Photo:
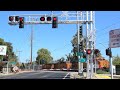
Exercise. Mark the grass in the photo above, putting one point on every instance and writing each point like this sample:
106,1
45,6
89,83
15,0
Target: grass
102,72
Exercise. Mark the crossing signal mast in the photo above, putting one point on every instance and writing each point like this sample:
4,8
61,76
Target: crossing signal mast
15,20
80,18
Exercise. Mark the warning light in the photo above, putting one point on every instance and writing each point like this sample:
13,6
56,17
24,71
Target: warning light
48,18
42,19
11,18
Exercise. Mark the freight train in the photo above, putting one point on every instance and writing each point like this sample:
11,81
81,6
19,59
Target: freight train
68,65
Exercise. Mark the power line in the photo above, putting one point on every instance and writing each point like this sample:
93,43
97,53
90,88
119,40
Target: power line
109,26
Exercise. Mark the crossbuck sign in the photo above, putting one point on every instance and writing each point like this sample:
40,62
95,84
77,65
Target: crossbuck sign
114,38
3,50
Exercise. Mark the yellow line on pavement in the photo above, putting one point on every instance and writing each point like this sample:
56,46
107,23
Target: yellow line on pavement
102,76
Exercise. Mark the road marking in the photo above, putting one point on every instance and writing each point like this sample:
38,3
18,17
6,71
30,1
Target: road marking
66,75
19,76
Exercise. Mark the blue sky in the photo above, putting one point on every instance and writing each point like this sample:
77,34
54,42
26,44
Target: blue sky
57,41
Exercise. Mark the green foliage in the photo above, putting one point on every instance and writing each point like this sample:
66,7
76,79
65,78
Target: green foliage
44,56
101,72
116,60
74,41
61,60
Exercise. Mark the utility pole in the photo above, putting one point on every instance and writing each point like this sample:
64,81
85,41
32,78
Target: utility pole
31,44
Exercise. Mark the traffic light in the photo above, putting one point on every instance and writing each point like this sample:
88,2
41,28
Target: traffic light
49,18
11,18
81,46
16,18
108,52
80,32
42,18
54,22
89,51
21,22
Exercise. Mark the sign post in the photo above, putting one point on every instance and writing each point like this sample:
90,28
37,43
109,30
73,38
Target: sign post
114,42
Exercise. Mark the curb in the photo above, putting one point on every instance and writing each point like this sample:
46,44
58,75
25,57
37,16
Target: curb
99,76
74,75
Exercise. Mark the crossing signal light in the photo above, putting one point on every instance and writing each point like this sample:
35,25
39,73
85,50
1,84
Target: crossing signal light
89,51
11,18
81,45
21,22
16,18
96,52
48,18
80,32
108,52
75,49
42,18
54,22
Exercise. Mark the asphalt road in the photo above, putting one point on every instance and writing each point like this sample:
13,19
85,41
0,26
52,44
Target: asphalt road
39,75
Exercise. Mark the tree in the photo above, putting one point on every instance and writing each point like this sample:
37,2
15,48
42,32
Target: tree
61,60
116,60
43,56
74,41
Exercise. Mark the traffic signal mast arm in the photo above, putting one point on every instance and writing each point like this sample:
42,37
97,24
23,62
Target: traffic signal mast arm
62,18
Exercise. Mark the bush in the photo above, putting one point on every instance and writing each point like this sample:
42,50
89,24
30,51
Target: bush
101,72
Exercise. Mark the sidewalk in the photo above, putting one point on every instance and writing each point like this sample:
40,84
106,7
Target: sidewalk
12,73
74,75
